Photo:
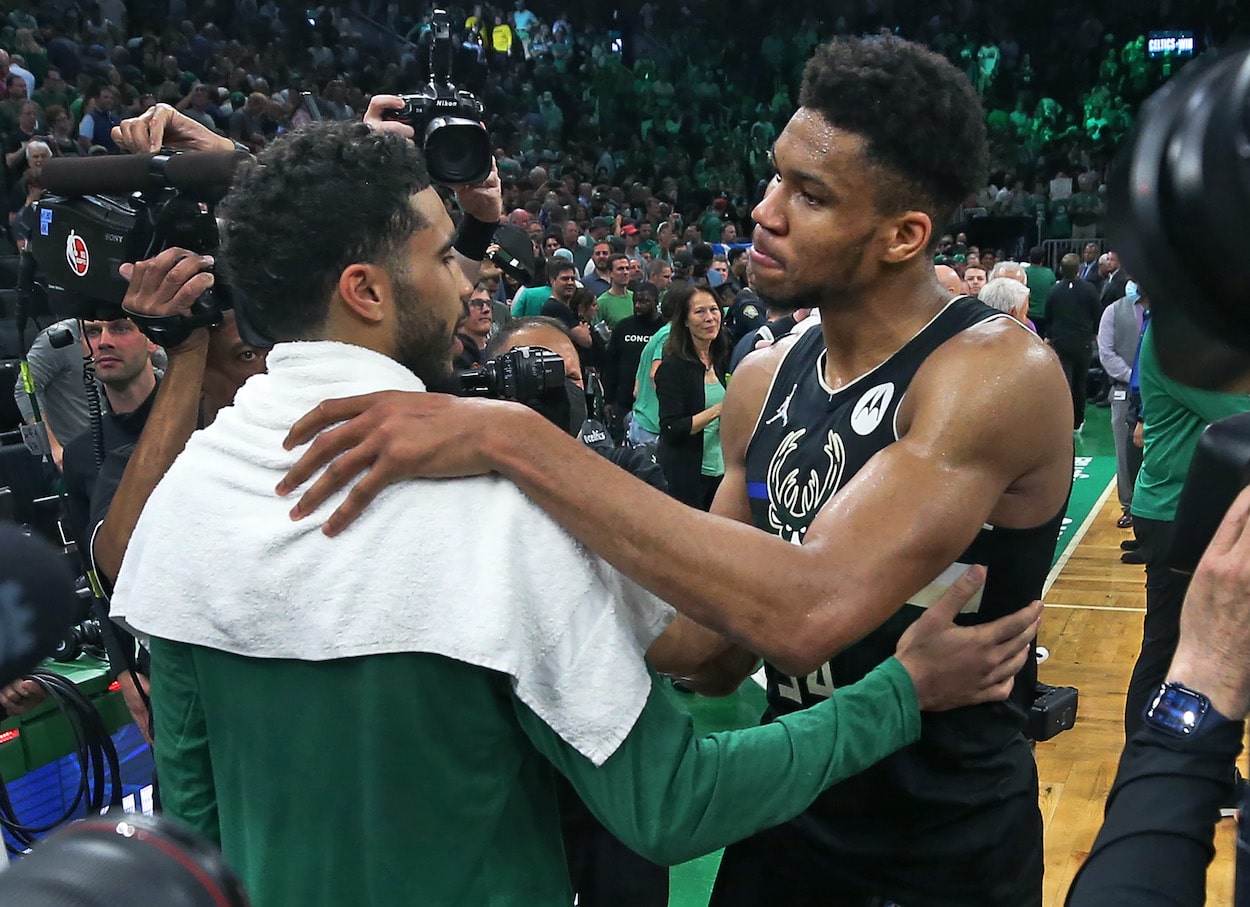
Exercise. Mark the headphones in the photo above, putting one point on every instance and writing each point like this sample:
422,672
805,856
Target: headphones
86,637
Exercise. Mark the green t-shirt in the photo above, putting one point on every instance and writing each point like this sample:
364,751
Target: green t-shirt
614,309
1084,209
530,301
1060,223
713,456
646,403
1040,279
449,777
1174,417
711,225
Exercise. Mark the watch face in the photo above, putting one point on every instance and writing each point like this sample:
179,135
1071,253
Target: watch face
1177,710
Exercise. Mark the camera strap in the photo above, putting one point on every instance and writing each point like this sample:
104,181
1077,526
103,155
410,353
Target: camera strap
173,330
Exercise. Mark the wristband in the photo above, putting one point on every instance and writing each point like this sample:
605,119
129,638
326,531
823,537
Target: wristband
473,237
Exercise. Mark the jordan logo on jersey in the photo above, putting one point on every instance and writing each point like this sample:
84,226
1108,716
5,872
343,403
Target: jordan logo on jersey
794,499
783,411
871,409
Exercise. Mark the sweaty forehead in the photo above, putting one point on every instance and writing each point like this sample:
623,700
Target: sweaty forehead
811,143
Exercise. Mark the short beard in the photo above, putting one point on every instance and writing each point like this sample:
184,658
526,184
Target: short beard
422,342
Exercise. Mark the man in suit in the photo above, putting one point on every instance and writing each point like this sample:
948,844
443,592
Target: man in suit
1115,285
1073,309
1119,333
1089,262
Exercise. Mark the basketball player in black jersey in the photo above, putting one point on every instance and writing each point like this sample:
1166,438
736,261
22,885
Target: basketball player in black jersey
906,437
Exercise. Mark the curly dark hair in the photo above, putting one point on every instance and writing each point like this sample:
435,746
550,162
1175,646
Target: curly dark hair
313,203
920,116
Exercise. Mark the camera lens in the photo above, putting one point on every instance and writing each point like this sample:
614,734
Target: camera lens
133,859
457,152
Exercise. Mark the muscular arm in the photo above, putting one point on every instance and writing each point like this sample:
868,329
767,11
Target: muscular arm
965,459
797,605
708,662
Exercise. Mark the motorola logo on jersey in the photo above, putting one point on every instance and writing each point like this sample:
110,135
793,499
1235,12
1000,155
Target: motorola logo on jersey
871,409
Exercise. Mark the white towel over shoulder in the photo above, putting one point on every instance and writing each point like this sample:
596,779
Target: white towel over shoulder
469,568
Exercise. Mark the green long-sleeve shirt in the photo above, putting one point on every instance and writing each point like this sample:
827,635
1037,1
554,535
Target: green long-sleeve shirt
412,778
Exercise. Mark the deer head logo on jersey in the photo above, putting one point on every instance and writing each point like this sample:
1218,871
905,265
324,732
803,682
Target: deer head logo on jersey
794,499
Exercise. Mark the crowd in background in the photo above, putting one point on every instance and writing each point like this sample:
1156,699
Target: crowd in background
642,112
632,140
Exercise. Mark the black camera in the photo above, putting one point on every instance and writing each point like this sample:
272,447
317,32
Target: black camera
1176,199
525,373
446,120
100,213
107,861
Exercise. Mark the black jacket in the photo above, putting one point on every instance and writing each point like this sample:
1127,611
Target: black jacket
1157,838
1113,288
1072,312
679,387
624,352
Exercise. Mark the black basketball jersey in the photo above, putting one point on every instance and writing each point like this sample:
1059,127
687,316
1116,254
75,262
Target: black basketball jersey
924,810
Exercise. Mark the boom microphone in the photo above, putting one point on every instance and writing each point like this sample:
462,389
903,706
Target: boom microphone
38,603
126,173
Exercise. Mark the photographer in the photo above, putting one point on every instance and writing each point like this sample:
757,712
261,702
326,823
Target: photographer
204,372
1177,769
603,870
56,372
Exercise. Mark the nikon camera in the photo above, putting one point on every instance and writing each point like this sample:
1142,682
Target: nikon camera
446,120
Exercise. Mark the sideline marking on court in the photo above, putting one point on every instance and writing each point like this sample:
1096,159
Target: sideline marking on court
1076,539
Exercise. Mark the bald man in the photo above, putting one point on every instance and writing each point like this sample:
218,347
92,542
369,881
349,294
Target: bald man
950,280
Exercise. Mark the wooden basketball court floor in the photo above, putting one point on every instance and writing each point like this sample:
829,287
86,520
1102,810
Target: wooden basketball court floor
1092,628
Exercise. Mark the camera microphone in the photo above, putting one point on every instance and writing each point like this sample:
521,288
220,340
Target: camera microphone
123,174
38,603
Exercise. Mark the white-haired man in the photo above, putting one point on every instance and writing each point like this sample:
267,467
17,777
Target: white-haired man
1012,270
1010,296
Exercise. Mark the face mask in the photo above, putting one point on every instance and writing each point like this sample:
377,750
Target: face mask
577,407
